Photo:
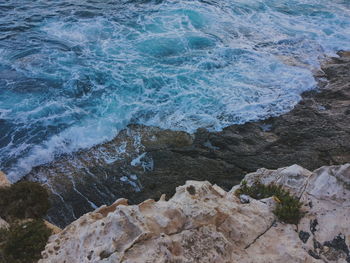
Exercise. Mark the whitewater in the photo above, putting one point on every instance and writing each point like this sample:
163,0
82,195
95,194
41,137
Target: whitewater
74,73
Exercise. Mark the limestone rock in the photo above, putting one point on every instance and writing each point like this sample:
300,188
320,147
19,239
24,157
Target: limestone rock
325,229
52,227
294,178
3,224
204,223
3,180
328,220
279,244
196,223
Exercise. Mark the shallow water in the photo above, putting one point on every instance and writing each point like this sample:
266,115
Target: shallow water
74,73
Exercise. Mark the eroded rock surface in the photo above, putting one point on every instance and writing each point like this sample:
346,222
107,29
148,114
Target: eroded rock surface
144,162
325,229
204,223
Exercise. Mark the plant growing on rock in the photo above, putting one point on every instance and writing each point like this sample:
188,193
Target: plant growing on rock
288,207
23,200
23,205
23,242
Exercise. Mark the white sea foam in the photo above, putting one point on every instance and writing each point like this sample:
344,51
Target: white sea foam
176,64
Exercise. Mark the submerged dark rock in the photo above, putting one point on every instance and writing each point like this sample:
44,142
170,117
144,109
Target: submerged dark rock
143,162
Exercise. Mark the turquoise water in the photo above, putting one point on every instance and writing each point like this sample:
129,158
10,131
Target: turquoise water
74,73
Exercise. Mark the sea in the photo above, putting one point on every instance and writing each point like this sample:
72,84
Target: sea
73,73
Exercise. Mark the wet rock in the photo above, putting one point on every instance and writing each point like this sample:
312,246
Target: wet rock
145,162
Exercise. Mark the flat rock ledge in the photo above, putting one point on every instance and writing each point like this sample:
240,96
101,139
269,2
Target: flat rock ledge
204,223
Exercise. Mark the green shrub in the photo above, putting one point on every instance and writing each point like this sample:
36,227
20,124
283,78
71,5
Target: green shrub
288,206
23,200
24,242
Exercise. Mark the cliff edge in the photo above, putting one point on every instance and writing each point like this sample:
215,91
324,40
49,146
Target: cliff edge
204,223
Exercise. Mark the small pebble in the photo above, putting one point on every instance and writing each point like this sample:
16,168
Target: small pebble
244,199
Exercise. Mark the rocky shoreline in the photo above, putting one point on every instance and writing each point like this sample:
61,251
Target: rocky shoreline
145,162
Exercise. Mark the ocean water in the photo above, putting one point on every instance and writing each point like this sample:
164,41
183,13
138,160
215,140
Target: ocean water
73,73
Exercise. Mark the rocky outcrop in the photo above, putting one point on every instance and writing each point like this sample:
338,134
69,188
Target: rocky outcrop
204,223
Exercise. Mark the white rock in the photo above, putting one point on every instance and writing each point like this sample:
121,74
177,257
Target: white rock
203,223
4,182
3,224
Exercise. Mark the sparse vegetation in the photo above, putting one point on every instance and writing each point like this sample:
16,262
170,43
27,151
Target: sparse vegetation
23,242
288,206
23,200
23,205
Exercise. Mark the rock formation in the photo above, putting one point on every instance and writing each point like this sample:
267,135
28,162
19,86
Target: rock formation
204,223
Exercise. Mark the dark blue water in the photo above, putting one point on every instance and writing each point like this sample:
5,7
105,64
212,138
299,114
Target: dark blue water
74,73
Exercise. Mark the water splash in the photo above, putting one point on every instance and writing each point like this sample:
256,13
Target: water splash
74,74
